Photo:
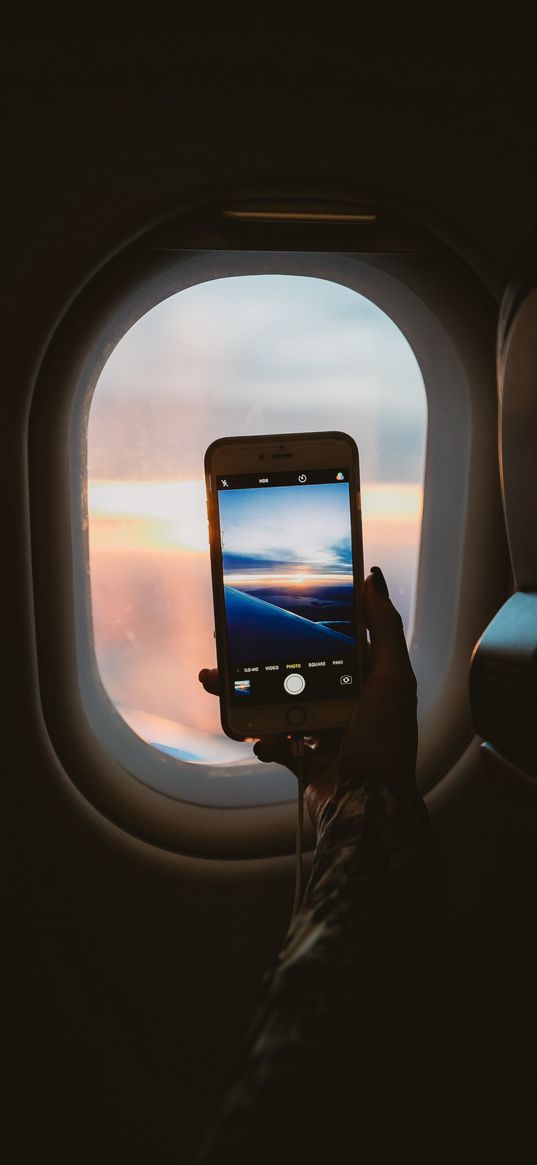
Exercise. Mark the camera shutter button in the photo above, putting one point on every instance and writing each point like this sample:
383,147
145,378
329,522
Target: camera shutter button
294,683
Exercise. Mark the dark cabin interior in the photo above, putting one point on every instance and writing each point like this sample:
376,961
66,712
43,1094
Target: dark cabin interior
132,966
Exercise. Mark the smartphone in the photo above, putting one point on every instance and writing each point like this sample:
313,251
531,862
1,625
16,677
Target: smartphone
287,570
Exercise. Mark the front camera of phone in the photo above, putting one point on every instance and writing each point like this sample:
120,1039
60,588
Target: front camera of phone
261,456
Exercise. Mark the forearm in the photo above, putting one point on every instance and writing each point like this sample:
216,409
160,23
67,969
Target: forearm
338,1046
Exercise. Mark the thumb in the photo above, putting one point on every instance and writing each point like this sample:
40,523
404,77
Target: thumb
388,653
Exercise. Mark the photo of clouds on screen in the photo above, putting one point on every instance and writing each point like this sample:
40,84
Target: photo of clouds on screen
288,581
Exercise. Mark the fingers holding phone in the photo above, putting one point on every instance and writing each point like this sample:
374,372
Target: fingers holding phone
381,739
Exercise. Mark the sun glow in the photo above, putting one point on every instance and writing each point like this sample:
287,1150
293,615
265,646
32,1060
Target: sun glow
256,578
148,515
171,515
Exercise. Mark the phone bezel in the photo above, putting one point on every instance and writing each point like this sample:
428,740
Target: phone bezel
236,455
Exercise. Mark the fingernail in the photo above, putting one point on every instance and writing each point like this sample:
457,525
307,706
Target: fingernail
379,582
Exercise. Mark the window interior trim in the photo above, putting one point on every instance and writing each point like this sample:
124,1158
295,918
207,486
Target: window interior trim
450,324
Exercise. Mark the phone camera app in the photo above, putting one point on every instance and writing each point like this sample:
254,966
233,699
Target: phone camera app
345,679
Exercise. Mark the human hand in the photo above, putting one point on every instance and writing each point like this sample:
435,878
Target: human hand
380,742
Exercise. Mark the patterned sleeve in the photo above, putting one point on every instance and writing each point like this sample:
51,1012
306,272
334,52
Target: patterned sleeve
337,1053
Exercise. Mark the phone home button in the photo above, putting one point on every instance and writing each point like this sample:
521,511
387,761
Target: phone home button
296,716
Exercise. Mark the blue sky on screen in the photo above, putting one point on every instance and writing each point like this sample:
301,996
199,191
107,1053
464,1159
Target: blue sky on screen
287,527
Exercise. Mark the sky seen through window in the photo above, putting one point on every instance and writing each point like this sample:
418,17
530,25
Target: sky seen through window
235,356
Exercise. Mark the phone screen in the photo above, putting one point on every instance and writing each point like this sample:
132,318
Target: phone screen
289,586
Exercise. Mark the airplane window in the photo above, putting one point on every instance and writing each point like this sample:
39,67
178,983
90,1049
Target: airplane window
239,355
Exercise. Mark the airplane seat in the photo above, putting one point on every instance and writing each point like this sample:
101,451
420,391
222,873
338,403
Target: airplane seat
503,676
480,1098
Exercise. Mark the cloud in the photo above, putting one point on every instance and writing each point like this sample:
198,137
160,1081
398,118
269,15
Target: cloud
254,354
287,525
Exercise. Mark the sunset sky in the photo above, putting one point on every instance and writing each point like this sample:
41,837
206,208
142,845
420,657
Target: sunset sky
171,515
249,355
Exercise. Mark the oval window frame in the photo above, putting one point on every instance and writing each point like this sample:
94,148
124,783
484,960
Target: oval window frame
449,320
